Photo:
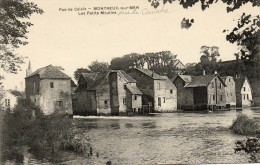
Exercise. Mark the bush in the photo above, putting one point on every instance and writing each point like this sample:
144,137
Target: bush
45,135
244,125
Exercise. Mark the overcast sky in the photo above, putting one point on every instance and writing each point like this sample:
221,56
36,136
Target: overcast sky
73,41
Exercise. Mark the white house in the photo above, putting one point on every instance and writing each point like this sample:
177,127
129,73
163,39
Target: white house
243,92
9,100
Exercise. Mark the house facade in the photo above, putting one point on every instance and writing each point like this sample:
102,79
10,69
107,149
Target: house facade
243,92
230,91
110,93
200,92
159,94
9,100
184,99
50,89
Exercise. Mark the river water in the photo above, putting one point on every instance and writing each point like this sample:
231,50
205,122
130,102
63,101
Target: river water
169,138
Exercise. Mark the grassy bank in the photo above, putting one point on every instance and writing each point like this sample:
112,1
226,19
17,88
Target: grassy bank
243,125
44,135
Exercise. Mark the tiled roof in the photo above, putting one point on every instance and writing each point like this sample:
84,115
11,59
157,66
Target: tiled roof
49,72
150,74
133,89
202,81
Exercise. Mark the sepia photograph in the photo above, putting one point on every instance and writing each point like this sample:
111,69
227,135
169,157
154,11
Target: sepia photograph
138,82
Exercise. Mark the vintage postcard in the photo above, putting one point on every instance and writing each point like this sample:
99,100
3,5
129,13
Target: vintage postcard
129,81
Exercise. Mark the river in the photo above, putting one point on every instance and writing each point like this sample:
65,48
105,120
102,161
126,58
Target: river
169,138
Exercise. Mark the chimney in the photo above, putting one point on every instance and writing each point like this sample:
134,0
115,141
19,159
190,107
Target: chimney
203,72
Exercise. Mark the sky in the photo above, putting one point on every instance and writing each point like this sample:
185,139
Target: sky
73,40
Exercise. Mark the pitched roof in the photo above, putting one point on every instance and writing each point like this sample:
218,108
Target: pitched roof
186,78
133,89
169,83
202,81
49,72
239,83
89,77
98,80
167,79
126,76
150,73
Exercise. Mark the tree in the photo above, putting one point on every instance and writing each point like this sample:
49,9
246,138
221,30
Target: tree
160,62
78,72
211,53
99,67
13,32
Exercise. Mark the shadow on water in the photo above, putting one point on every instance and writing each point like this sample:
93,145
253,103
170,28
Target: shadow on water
129,125
115,125
149,125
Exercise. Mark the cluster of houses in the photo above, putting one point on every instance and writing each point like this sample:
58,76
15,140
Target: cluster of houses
139,91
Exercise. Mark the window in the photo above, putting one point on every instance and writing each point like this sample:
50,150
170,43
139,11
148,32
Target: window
213,97
220,85
244,88
59,103
106,104
124,101
244,97
159,86
159,101
170,91
221,98
229,79
163,99
51,84
230,94
135,97
7,102
247,97
212,84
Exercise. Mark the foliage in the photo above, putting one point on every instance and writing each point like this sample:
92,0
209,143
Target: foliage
186,23
78,72
160,62
99,67
45,135
247,36
13,31
208,61
231,4
244,125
